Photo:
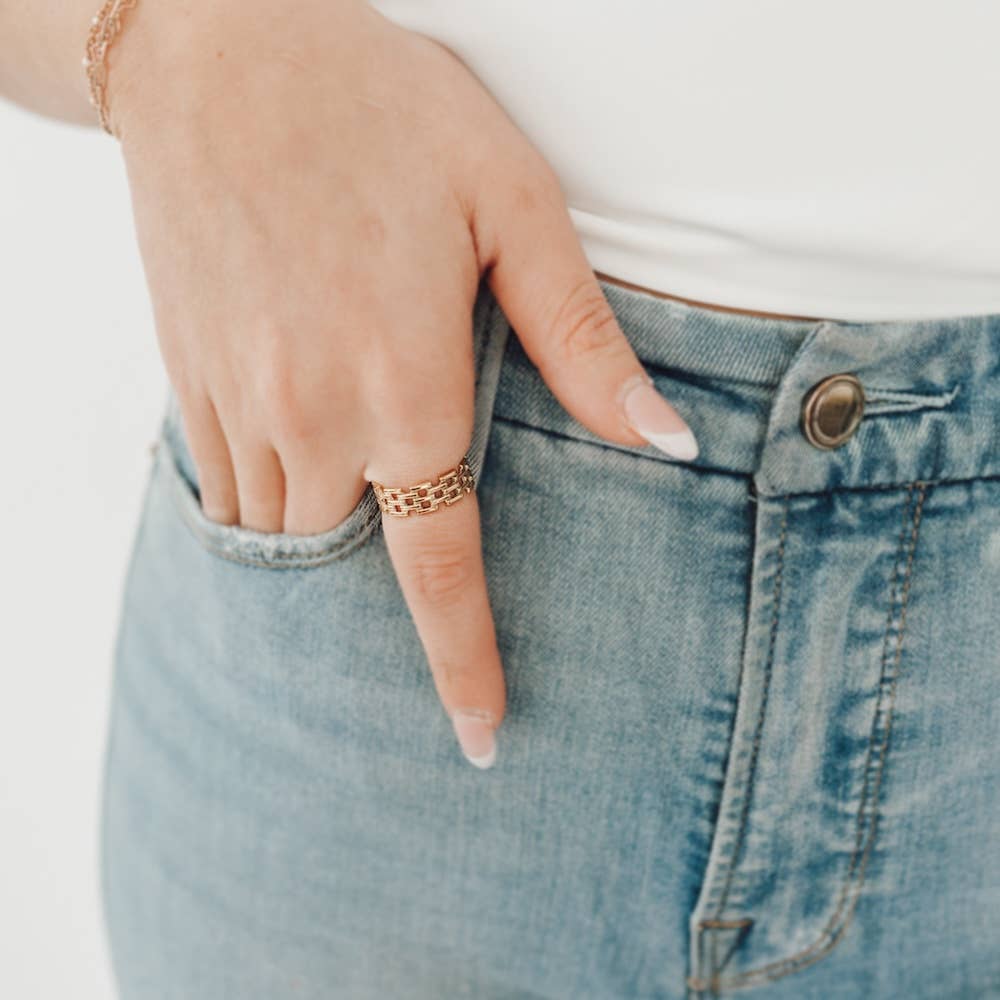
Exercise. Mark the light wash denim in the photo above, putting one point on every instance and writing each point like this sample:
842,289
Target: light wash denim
754,703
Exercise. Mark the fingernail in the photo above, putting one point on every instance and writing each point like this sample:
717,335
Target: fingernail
475,731
649,414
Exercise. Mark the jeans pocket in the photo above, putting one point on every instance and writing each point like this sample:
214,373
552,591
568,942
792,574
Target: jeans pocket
278,550
272,550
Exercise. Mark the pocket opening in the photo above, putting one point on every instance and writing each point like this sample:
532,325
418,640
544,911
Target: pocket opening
266,550
278,550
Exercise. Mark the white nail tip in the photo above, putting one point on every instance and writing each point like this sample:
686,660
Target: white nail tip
681,445
475,731
485,761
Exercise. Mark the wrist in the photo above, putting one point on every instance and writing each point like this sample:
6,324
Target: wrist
139,62
170,60
40,66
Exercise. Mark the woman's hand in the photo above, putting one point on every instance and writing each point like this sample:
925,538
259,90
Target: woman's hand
317,193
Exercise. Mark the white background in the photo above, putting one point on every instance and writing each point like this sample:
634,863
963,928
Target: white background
81,389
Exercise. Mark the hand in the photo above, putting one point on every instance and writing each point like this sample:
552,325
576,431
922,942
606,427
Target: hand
316,197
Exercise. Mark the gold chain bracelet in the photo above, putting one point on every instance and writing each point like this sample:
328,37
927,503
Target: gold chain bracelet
104,28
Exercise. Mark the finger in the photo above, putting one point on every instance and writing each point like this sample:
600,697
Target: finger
216,479
438,560
321,488
437,556
260,484
318,431
549,292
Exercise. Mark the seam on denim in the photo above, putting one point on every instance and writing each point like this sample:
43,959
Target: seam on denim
623,450
734,855
944,482
111,734
699,985
181,497
831,934
487,332
290,563
492,325
717,470
885,401
761,713
694,377
883,665
717,964
713,957
726,924
692,982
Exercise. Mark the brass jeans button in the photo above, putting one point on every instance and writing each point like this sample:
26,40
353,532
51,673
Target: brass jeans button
832,410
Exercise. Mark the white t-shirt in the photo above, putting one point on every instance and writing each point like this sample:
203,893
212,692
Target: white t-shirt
836,160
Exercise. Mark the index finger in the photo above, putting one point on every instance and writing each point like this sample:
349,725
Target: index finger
438,560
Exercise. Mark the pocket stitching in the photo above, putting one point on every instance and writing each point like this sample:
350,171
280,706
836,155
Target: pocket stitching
208,532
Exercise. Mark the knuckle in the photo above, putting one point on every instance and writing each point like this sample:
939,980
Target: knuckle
534,189
455,671
291,414
409,441
585,324
403,418
192,393
215,487
407,427
441,575
262,496
549,182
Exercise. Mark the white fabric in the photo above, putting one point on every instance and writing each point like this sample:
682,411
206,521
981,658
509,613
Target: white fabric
837,160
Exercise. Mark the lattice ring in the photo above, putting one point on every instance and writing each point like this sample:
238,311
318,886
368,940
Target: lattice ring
423,498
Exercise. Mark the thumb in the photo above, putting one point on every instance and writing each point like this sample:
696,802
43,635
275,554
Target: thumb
549,292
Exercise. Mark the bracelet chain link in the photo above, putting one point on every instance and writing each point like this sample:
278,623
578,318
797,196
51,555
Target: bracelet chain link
104,28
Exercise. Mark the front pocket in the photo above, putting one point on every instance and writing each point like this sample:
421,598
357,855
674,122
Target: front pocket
272,550
277,550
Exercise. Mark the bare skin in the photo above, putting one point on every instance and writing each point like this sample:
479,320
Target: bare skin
316,199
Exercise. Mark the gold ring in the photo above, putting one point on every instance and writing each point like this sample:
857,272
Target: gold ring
423,498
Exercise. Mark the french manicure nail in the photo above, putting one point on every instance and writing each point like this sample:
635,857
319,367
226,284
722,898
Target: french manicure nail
650,415
475,731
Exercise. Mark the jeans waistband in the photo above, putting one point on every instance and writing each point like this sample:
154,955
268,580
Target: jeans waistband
931,392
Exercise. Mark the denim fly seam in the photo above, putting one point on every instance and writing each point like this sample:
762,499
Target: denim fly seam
940,383
716,938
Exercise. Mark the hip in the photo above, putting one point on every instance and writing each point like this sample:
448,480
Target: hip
751,726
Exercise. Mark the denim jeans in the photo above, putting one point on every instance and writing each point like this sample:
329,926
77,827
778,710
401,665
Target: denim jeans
753,719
